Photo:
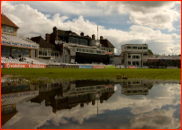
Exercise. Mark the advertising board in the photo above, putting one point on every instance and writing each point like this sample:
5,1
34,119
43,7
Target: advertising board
120,66
36,66
109,86
109,66
132,67
145,67
54,66
98,66
71,66
85,66
109,53
172,67
14,65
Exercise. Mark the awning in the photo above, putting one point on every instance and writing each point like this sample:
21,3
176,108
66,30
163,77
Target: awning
15,41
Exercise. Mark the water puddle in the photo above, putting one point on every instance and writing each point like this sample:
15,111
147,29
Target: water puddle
90,104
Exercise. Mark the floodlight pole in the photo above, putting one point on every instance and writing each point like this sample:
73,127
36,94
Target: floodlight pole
97,32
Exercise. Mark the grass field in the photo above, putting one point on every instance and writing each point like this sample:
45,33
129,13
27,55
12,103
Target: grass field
67,73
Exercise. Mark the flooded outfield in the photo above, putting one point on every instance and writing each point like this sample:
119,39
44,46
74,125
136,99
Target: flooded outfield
62,104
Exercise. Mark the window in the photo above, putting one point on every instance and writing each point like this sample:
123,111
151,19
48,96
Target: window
5,52
44,53
98,87
91,51
144,47
8,29
78,49
17,52
56,54
139,47
98,51
83,50
90,88
86,50
134,91
137,57
134,47
74,40
83,42
128,47
40,52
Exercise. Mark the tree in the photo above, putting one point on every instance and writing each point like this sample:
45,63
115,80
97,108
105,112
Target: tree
150,52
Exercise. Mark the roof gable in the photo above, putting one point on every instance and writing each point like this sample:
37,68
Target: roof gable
65,33
6,21
106,43
44,44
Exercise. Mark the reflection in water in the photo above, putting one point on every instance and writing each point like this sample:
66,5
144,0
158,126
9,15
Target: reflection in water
137,87
66,95
13,93
127,103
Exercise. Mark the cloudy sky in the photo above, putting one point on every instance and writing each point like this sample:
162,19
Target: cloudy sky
156,23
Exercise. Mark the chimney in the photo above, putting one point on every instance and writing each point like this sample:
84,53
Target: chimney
93,37
82,34
93,102
54,30
101,37
47,37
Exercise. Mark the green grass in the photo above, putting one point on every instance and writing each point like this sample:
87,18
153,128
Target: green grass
67,73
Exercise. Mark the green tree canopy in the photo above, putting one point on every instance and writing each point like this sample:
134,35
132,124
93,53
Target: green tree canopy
150,52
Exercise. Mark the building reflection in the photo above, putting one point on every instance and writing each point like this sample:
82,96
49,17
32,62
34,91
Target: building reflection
64,94
69,94
12,93
136,87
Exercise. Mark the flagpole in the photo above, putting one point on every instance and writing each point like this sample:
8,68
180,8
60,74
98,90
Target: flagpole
97,32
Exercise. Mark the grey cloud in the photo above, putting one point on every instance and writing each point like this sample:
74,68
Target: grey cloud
162,119
161,18
33,23
144,6
139,6
155,14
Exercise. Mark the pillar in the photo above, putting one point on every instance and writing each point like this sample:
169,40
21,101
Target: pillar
141,60
37,53
126,59
47,52
30,52
10,52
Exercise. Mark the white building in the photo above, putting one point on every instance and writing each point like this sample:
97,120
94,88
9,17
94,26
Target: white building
133,54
